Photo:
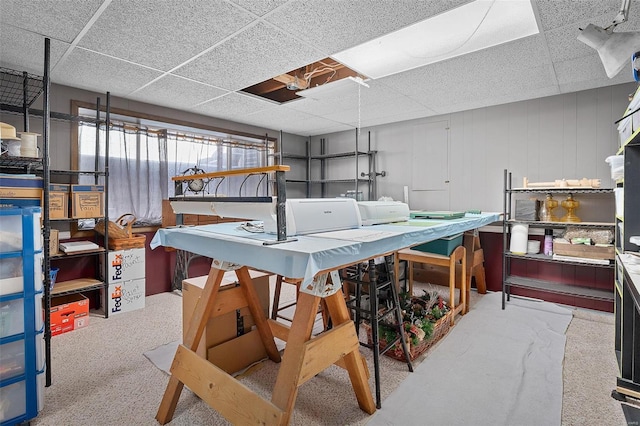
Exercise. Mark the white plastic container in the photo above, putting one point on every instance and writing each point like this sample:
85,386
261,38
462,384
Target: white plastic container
13,401
12,359
11,317
519,238
10,233
11,275
619,195
39,322
617,166
533,247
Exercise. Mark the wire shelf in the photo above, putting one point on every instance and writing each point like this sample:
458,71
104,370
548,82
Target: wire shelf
12,87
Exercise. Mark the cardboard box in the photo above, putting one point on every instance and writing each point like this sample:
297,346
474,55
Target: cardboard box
583,250
87,201
58,201
13,192
246,350
124,265
222,328
68,313
54,241
125,296
21,181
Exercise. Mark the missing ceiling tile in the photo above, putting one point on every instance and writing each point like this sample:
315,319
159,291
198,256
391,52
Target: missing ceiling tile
284,87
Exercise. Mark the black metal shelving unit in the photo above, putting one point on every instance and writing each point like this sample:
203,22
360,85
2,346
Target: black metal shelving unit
18,92
627,278
360,178
510,280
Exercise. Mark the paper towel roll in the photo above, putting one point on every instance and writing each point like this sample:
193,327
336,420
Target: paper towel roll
519,238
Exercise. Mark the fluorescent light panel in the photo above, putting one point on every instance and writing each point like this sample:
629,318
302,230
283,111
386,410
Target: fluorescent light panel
468,28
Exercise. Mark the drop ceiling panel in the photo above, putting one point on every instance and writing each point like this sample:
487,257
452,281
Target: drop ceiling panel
257,54
288,120
163,92
379,111
90,71
558,13
60,20
585,68
336,25
162,37
24,51
246,49
232,106
259,7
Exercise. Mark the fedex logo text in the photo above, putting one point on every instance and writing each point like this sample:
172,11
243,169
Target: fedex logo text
117,267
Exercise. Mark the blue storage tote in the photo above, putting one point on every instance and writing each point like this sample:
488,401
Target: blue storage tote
444,246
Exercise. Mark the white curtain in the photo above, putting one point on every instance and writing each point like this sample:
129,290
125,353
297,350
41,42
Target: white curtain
137,170
142,163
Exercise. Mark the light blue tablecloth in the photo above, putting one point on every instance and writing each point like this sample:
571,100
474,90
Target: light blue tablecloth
309,254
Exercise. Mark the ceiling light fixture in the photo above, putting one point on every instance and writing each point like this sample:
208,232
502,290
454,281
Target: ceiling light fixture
614,49
474,26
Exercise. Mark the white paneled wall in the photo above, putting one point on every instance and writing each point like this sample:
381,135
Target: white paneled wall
565,136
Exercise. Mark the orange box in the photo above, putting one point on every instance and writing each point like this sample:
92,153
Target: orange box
68,313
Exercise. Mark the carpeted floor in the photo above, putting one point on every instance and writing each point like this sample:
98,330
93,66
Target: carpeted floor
101,377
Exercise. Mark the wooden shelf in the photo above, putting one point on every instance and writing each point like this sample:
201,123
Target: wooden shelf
76,286
77,254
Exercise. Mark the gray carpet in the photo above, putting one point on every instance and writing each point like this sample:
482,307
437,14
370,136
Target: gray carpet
101,377
495,368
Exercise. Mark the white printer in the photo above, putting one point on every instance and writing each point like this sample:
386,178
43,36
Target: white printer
377,212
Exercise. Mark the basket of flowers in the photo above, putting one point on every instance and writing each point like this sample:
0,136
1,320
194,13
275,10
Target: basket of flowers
426,319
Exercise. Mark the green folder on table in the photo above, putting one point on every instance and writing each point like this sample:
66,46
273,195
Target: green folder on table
442,214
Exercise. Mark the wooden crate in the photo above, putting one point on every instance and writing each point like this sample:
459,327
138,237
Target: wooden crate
583,250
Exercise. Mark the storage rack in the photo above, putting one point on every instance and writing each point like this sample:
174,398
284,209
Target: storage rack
626,283
18,92
509,280
360,178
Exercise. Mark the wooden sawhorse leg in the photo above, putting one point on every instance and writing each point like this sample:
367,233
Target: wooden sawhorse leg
304,357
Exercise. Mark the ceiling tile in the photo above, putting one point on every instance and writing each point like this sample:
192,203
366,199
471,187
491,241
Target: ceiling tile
60,20
585,68
162,37
90,71
558,13
233,106
281,118
24,51
257,54
335,25
176,92
259,7
563,41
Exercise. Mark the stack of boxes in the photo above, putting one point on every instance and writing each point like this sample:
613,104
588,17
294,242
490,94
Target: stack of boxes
126,278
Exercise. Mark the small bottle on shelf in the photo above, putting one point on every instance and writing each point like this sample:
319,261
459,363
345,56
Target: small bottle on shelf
548,242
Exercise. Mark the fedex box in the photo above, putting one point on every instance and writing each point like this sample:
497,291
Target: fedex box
124,265
124,296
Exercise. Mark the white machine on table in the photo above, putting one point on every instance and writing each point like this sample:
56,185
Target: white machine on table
303,215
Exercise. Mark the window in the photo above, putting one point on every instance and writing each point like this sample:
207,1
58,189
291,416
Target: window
144,155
